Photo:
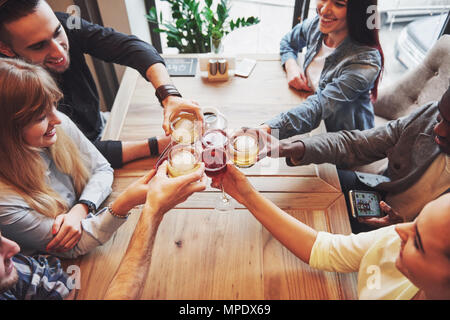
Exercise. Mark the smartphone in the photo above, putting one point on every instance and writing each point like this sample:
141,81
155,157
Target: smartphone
245,67
365,204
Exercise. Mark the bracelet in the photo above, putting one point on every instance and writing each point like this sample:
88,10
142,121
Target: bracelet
153,146
114,214
162,92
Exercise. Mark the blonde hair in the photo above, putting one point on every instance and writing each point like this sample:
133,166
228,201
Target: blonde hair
26,93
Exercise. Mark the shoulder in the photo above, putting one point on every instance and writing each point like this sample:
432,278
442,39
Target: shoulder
62,17
356,53
427,111
67,124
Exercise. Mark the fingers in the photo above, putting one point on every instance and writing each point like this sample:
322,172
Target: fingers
162,169
304,83
393,216
192,177
166,123
194,187
216,183
57,224
148,176
386,208
295,83
57,239
198,112
72,237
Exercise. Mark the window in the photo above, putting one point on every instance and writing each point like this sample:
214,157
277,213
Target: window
409,28
276,21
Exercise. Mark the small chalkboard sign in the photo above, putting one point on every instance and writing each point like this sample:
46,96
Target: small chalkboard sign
181,67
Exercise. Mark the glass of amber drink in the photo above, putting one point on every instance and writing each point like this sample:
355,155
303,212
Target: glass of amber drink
244,149
182,160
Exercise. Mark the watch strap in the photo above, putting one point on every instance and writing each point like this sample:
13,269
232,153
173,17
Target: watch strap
92,208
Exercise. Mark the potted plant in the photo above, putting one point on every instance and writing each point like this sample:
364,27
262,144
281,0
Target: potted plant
196,27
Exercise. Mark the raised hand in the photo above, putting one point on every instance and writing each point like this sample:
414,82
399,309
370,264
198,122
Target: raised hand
176,105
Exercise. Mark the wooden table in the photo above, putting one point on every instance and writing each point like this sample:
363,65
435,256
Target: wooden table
199,253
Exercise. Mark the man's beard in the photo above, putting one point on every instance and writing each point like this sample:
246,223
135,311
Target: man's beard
8,283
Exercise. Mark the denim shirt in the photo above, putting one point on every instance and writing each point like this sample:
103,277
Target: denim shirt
343,96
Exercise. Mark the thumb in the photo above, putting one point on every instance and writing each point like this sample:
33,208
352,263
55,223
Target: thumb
166,126
386,208
162,170
57,224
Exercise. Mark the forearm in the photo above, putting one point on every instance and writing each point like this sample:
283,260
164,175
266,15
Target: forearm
132,150
157,74
128,281
298,120
291,64
293,234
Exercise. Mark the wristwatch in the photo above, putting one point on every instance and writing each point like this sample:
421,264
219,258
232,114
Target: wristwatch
92,208
162,92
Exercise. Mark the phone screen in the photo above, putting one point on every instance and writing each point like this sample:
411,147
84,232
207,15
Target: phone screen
366,204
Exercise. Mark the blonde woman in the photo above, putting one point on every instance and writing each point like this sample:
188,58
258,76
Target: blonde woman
413,258
52,179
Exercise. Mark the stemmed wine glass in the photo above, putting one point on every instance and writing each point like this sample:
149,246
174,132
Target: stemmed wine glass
215,157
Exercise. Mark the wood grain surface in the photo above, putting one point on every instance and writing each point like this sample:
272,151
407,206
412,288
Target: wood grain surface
202,254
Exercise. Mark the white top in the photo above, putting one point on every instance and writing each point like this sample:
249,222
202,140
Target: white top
33,230
315,68
373,255
433,183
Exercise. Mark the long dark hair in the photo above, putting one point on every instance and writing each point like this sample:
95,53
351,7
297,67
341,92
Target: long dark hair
360,31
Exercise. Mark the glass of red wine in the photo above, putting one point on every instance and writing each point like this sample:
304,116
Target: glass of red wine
215,157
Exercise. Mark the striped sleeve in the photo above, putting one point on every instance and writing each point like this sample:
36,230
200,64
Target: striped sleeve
39,278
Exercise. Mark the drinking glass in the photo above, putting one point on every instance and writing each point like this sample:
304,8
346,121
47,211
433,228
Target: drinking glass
213,119
244,149
215,157
186,130
182,160
185,127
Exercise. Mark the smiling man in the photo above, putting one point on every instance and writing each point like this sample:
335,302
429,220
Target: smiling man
32,278
417,148
31,31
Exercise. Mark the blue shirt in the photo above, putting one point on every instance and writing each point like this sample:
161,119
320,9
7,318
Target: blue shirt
343,96
39,278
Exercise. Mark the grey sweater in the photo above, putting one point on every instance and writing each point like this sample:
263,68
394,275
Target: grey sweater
408,143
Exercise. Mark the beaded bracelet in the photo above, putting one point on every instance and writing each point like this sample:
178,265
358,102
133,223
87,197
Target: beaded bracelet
114,214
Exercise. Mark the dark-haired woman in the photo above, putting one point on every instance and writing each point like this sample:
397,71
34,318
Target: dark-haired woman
342,66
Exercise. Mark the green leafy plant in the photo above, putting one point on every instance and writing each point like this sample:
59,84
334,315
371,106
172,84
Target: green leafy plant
196,24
